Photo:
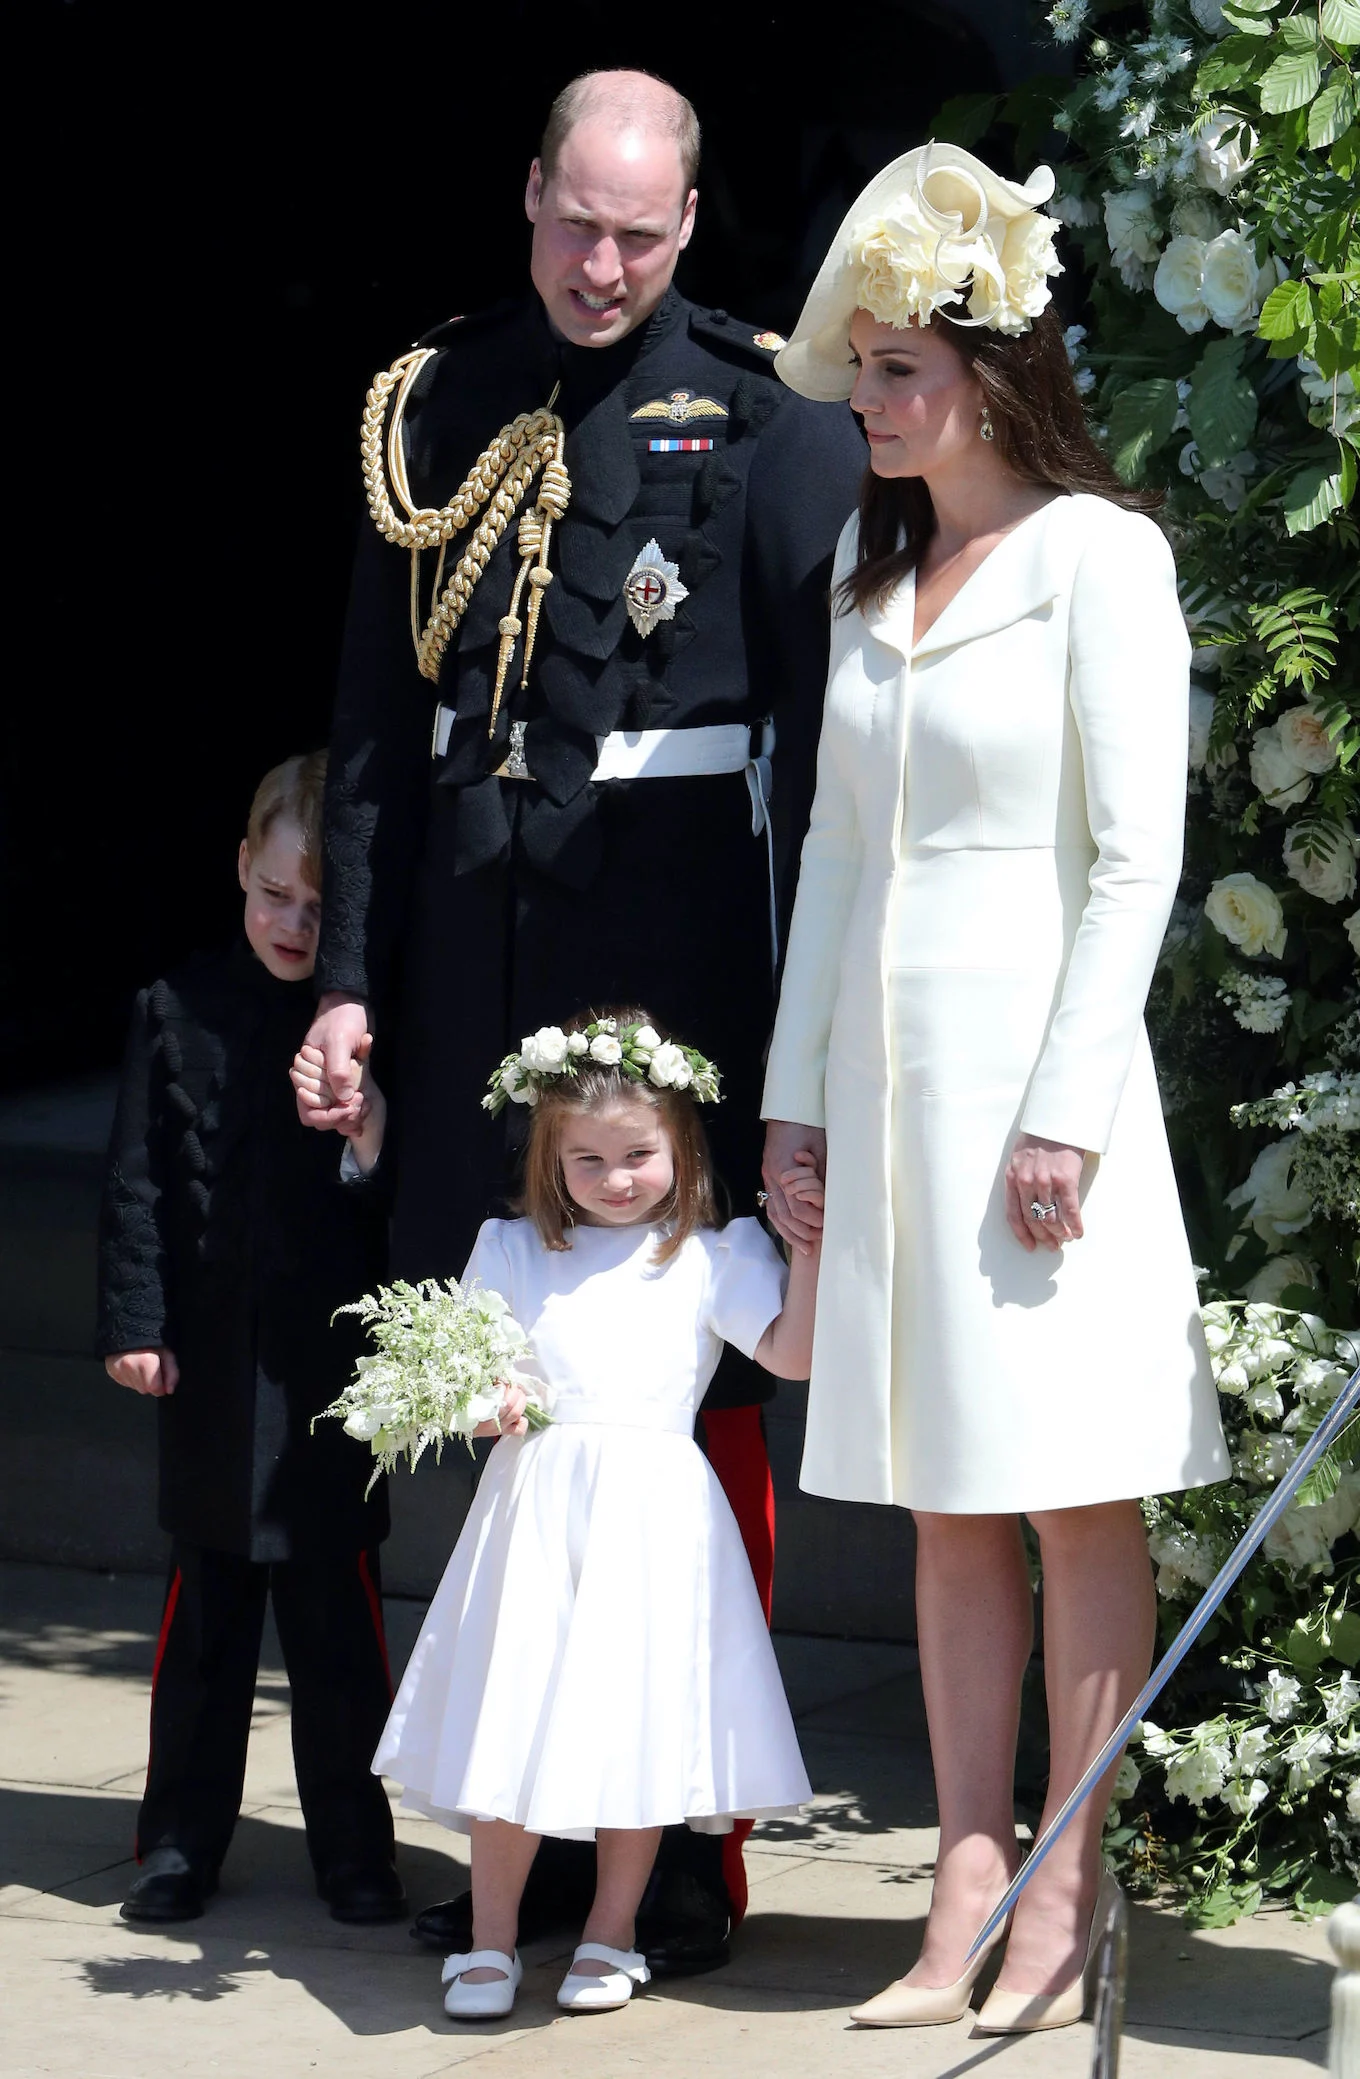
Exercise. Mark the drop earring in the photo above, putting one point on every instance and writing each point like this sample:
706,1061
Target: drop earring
986,428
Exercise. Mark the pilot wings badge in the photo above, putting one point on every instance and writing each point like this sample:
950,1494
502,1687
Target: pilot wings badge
678,407
652,589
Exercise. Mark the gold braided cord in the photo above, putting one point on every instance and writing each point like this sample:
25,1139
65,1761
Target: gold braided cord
500,479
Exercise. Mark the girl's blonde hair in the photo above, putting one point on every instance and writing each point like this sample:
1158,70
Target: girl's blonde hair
692,1201
293,789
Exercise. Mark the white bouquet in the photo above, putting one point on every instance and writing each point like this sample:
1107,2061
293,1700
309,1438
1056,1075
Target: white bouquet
444,1357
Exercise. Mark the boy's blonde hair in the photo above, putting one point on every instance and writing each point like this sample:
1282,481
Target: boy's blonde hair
293,789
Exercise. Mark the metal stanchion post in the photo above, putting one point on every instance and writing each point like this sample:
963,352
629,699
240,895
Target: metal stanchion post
1112,1966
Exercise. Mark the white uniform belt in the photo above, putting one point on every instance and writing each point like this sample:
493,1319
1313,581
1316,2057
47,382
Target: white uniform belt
622,1414
673,754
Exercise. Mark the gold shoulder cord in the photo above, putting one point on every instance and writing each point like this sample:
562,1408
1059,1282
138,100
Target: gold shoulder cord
499,479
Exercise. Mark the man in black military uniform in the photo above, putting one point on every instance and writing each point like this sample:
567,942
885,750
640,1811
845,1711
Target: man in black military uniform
603,534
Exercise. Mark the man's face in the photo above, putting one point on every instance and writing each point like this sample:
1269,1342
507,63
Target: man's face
608,229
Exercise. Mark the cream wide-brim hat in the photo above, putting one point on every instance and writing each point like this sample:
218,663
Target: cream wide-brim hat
816,362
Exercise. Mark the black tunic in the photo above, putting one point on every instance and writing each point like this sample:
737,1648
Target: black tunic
471,909
227,1236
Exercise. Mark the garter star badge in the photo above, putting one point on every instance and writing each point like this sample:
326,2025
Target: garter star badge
680,406
652,589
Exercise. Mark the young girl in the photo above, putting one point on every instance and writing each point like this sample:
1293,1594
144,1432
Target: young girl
595,1662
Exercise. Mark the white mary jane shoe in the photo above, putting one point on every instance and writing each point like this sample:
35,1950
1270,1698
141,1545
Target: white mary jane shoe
580,1995
489,1997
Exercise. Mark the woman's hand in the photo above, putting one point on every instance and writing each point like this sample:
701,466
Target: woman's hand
799,1222
1044,1173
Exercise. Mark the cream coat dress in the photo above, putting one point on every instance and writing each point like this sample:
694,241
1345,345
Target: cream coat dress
994,849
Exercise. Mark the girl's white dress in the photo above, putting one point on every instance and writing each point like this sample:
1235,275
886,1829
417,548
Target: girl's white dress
596,1653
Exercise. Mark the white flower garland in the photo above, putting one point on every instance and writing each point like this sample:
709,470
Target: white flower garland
637,1051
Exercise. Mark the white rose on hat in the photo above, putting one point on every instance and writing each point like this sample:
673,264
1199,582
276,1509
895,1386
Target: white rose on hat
1275,771
1178,283
1224,149
1247,913
605,1049
1303,734
1331,878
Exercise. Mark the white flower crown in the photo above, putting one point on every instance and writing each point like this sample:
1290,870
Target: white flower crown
637,1051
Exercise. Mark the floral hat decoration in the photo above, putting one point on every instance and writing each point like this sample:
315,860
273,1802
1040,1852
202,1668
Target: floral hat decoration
638,1051
937,231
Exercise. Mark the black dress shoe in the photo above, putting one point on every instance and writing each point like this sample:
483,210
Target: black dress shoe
362,1894
683,1925
447,1926
168,1887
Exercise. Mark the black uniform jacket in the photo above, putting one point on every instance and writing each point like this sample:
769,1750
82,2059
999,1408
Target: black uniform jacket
479,908
227,1235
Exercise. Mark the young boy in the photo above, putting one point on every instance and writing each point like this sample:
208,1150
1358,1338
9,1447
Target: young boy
228,1238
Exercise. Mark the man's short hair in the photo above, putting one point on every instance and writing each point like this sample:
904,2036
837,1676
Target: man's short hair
621,98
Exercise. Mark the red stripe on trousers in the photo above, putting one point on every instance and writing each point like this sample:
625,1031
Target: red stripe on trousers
735,1440
162,1640
375,1612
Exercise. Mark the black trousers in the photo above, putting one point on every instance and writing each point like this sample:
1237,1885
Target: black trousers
328,1610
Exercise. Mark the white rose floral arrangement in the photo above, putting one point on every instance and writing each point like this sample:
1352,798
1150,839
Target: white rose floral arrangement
445,1354
638,1051
1247,1786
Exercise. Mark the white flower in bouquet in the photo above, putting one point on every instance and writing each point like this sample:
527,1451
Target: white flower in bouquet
1139,118
1243,1794
1303,736
544,1050
1341,1699
606,1049
1331,878
1131,225
1198,1772
1247,913
1279,1696
1160,1745
1224,149
1178,283
1264,1400
1252,1751
1307,1756
1220,1326
445,1354
1275,771
1275,1277
1276,1204
1232,1377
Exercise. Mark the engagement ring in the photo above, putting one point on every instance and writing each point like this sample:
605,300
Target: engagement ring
1038,1212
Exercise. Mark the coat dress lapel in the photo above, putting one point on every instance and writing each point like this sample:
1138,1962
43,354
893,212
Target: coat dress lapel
1016,578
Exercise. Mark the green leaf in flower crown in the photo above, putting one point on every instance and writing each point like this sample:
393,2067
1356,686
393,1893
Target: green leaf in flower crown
1333,110
1141,419
1222,404
1314,495
1341,21
1291,81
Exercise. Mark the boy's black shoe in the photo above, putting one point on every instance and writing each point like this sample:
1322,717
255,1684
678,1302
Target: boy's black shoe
447,1926
168,1887
683,1925
362,1894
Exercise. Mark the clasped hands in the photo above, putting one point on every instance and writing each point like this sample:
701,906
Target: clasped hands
1039,1173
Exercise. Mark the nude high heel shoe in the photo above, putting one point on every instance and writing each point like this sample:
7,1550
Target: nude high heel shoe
1014,2013
922,2006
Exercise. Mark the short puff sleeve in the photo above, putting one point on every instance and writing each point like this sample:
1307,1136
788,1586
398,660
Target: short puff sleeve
747,1278
489,1264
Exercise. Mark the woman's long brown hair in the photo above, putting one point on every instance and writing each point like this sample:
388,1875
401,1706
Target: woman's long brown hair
1039,427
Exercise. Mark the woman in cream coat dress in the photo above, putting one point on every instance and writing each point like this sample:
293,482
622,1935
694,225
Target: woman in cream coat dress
1007,1322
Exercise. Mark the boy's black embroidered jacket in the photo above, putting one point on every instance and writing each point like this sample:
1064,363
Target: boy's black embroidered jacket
227,1235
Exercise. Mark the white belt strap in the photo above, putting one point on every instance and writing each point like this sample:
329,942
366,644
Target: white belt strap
680,754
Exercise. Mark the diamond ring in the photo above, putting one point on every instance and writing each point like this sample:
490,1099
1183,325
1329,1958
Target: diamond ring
1038,1212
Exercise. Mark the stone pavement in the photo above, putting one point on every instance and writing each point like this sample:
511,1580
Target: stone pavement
266,1983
